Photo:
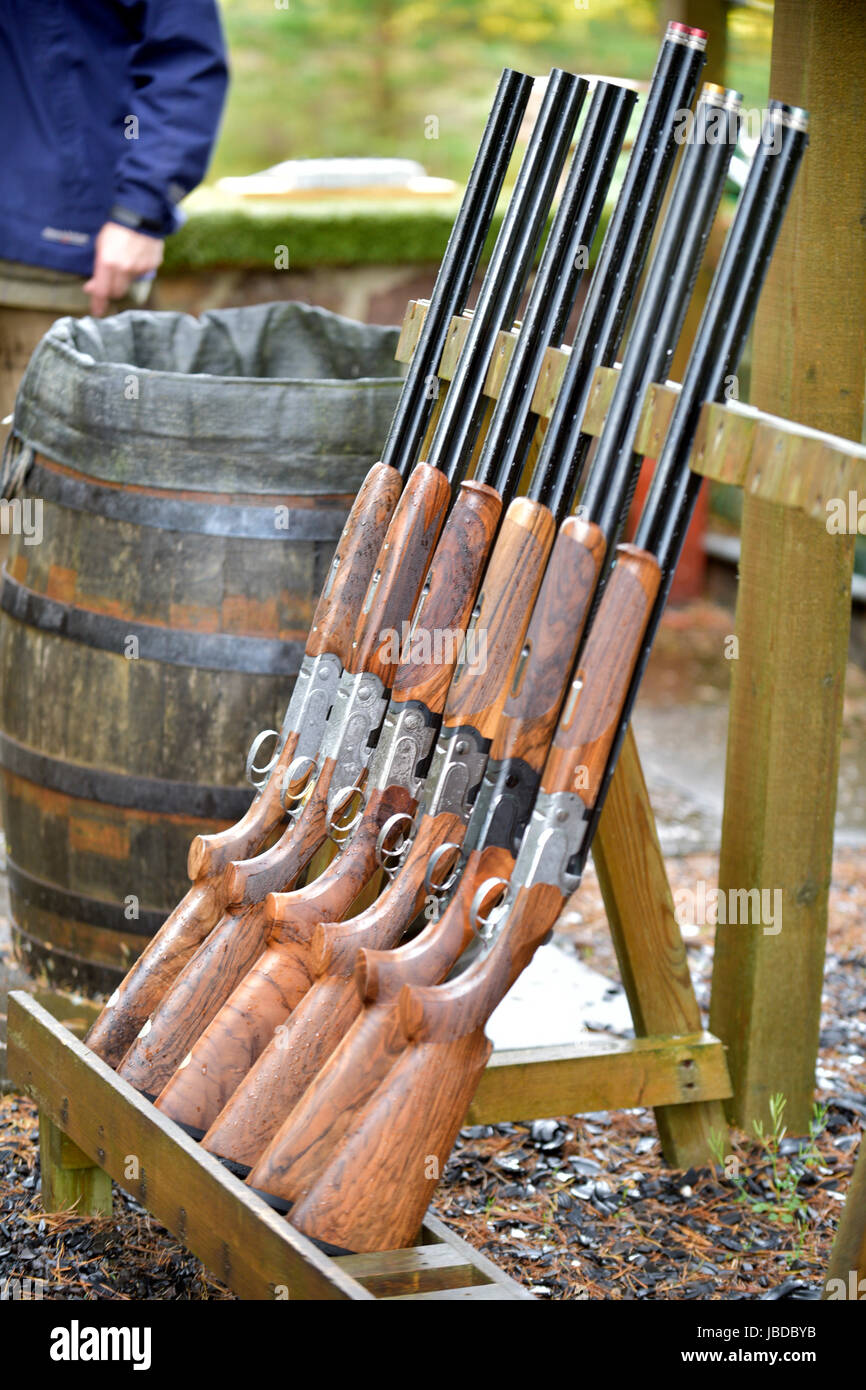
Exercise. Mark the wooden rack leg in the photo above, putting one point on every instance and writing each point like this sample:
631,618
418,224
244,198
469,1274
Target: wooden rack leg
848,1260
649,946
69,1177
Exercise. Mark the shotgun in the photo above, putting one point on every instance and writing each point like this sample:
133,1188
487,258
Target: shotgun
261,1002
373,1193
360,702
311,1131
475,701
328,646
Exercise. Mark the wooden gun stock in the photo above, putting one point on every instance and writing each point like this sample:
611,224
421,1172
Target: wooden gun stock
195,997
552,639
221,960
155,971
479,689
450,592
198,913
373,1193
333,626
210,855
275,871
229,1039
313,1129
332,630
228,1047
401,568
391,597
477,695
288,1063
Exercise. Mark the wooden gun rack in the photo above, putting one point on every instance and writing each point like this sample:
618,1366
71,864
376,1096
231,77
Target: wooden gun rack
95,1128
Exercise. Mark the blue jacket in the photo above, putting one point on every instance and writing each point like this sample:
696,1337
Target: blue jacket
108,110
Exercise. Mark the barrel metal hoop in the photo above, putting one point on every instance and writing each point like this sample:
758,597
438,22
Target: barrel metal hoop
205,518
123,789
95,912
217,651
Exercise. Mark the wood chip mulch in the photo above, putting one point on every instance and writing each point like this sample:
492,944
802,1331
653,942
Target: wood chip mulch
576,1208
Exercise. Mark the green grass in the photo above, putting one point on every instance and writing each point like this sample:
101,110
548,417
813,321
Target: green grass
327,232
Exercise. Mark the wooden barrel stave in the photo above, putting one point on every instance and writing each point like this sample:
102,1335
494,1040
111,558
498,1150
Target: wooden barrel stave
201,580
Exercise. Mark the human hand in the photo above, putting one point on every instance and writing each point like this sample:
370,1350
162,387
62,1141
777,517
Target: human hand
121,256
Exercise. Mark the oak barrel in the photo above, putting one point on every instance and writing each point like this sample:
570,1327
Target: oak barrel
178,489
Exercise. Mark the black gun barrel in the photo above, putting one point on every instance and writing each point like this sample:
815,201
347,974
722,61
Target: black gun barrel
556,283
619,266
458,267
722,332
662,305
724,325
462,410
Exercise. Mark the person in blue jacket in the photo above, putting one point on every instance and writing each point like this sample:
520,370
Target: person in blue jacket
108,113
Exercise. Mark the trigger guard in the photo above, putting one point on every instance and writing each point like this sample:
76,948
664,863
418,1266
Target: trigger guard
290,801
383,855
438,889
256,775
340,833
484,926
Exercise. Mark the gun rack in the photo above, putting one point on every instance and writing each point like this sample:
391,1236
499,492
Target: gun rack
94,1127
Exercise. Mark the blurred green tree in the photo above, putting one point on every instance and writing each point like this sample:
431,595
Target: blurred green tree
352,77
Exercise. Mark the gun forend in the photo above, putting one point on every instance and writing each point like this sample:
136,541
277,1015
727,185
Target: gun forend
401,566
593,706
433,641
352,566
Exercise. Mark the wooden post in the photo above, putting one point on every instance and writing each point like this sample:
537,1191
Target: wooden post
848,1260
69,1177
649,945
793,609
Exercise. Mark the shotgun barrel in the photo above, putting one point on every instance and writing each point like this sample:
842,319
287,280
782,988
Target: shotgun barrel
620,262
457,269
560,272
460,418
719,343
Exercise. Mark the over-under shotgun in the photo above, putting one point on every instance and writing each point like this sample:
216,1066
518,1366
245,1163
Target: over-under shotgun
476,698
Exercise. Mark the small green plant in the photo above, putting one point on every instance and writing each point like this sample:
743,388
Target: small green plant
786,1204
718,1142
